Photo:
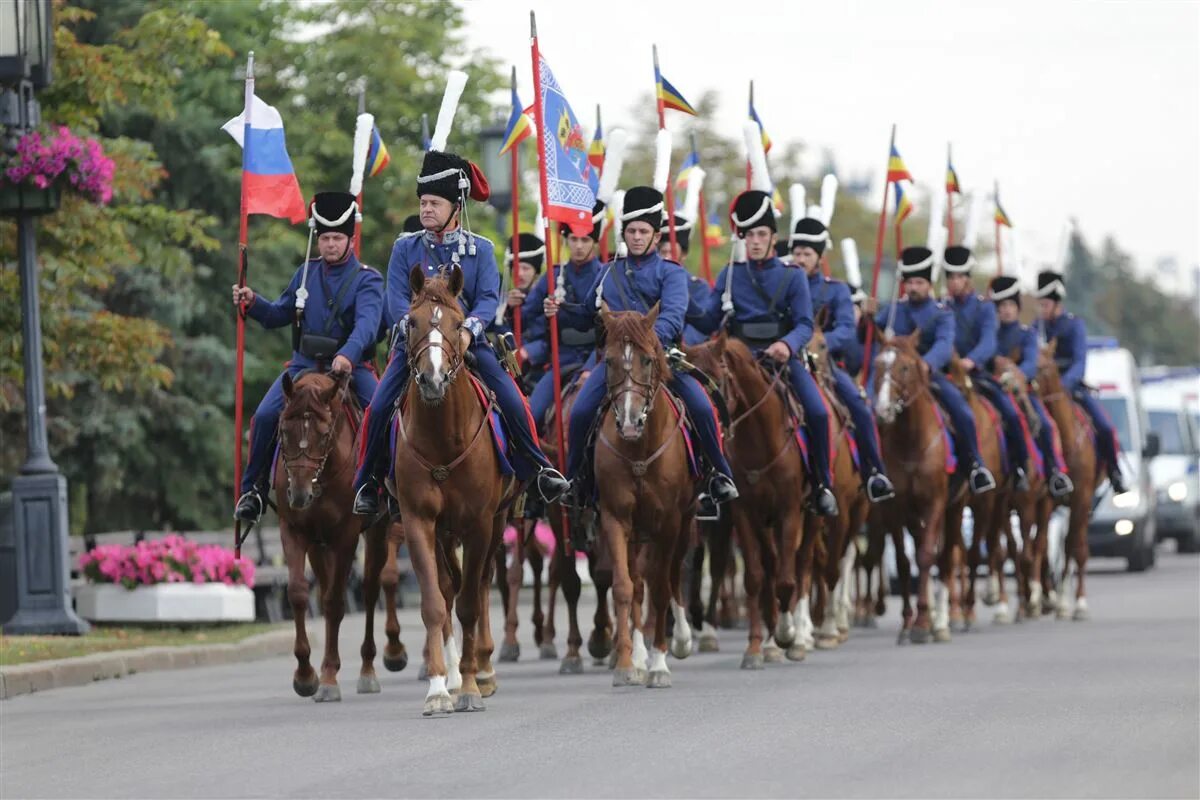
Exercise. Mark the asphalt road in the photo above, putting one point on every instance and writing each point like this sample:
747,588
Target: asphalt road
1104,708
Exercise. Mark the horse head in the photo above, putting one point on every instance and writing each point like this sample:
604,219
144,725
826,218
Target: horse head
308,431
1048,377
731,364
900,375
435,348
1008,374
636,367
818,348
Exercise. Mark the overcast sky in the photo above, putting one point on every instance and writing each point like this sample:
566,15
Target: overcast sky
1079,108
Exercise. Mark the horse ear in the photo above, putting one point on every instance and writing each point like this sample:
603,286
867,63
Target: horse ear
416,279
652,316
456,280
341,380
288,388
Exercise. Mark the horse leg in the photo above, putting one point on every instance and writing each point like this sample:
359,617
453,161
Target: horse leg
752,580
637,616
659,578
947,609
332,567
681,634
806,557
375,550
622,592
395,656
1006,546
572,587
695,579
904,576
514,575
536,563
423,553
553,583
485,645
600,641
304,679
1081,558
719,542
476,549
791,523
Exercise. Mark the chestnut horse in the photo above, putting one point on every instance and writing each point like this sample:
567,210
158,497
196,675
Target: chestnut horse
313,483
768,469
914,450
450,489
647,494
1079,451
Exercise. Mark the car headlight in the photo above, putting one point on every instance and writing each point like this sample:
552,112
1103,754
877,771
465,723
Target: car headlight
1126,499
1177,491
1124,527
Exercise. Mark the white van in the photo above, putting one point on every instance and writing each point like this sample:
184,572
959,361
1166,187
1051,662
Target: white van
1172,401
1124,525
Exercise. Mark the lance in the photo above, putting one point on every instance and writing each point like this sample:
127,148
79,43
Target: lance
604,229
829,187
243,268
539,122
879,234
751,107
363,128
700,225
425,140
996,218
516,221
949,199
662,164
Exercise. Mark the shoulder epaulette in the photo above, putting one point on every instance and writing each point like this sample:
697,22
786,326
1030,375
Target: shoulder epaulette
408,235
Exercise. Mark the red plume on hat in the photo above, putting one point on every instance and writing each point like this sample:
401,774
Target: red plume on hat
480,191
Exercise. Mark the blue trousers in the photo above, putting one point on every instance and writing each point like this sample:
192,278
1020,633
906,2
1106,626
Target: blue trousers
699,408
816,417
1051,455
542,396
529,453
264,425
1106,435
866,435
960,414
1014,435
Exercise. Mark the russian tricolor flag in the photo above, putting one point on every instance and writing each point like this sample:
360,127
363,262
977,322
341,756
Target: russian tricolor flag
267,172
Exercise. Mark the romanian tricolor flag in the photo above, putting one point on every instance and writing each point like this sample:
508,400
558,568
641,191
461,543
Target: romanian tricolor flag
904,206
685,173
596,148
519,126
777,201
1001,217
672,98
713,235
896,169
952,186
377,154
766,140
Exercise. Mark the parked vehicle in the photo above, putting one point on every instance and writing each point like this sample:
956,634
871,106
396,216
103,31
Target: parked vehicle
1172,402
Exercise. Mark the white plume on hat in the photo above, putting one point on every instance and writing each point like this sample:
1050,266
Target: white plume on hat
614,161
796,203
850,262
971,220
662,159
363,127
1064,247
829,187
618,209
760,178
456,81
691,200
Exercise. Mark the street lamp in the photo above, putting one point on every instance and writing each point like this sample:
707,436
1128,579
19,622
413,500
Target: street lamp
496,167
39,492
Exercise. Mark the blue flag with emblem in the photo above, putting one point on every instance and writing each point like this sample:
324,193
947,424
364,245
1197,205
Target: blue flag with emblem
569,175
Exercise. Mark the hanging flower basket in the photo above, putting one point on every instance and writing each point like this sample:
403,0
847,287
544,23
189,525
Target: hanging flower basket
33,177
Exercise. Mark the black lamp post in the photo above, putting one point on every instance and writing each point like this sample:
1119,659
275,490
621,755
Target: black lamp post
498,170
39,492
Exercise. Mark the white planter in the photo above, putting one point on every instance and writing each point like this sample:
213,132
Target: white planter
165,602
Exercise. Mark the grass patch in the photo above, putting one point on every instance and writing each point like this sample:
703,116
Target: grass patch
101,639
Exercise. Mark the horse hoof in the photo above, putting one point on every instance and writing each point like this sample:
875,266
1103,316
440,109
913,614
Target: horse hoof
1001,618
708,642
599,646
843,635
772,654
547,651
571,665
510,652
918,635
1081,615
487,685
423,672
1063,613
304,688
753,661
396,663
941,635
990,599
785,635
469,702
629,677
827,643
437,705
658,680
328,693
869,621
796,652
681,648
960,626
612,660
368,684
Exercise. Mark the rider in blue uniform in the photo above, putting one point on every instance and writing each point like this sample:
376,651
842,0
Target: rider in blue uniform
698,288
1019,342
808,242
975,342
1069,334
772,313
572,284
335,304
442,188
637,282
530,257
920,312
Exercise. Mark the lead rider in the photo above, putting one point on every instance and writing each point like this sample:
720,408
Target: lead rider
443,186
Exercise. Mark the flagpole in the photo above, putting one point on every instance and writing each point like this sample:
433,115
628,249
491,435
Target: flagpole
516,221
424,131
243,266
996,218
950,201
662,126
538,116
862,378
748,172
700,225
604,232
362,109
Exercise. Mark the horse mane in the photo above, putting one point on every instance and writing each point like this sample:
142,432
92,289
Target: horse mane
436,290
631,325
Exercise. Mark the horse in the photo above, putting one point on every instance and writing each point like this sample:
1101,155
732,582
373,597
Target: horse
510,572
714,537
313,479
768,468
914,450
450,490
647,495
1079,451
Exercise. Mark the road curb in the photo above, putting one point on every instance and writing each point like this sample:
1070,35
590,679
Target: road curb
40,676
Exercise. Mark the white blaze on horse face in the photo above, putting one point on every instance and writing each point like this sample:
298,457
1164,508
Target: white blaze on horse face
627,422
883,401
435,343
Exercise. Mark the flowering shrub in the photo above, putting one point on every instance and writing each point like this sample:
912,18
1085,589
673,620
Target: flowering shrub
62,157
169,560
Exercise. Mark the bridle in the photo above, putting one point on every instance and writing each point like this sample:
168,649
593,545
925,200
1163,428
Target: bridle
903,400
647,389
324,447
727,385
430,341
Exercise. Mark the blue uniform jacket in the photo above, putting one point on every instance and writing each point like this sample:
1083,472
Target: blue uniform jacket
698,294
1013,336
357,316
481,279
933,320
636,284
774,279
1070,335
974,327
839,323
578,310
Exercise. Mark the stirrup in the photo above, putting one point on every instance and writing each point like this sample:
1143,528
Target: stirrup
823,501
551,484
249,507
721,488
707,509
1022,484
366,500
981,479
879,488
1060,485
